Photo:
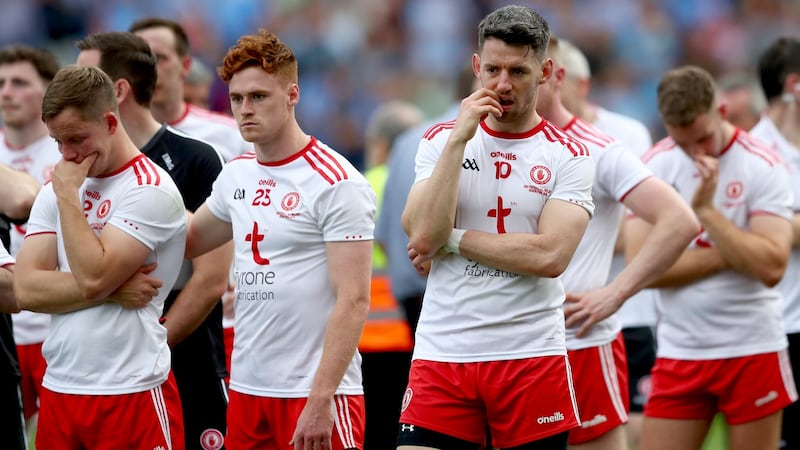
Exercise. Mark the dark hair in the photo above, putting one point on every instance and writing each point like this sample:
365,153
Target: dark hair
181,38
780,59
126,56
87,89
684,94
264,50
43,61
516,25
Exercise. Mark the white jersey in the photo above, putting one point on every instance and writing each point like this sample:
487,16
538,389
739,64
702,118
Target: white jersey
640,309
218,130
617,172
38,161
283,214
789,286
107,349
728,314
5,258
472,312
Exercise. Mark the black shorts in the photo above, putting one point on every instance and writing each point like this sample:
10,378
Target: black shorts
12,425
790,433
198,363
640,349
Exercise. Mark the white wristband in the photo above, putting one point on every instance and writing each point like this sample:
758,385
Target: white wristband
454,241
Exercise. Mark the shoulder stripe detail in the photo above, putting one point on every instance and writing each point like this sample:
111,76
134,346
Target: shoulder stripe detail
661,146
325,164
580,131
757,148
146,173
248,155
434,130
554,134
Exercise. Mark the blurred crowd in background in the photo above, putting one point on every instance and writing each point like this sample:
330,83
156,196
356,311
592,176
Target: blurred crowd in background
356,54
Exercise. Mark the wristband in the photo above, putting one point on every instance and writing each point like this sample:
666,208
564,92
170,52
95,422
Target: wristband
454,241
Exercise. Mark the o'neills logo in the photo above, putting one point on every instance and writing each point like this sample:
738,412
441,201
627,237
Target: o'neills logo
556,417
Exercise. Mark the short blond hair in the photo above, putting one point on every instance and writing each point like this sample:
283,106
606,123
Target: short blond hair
684,94
87,89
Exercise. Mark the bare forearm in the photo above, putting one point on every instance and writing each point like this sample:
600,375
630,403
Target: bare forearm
431,209
17,192
341,340
521,253
50,292
744,251
796,230
83,248
8,303
662,247
693,265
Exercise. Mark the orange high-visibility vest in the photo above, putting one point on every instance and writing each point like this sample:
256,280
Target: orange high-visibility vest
386,329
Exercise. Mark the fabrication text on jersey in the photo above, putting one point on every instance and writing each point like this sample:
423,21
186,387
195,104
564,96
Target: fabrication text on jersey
250,285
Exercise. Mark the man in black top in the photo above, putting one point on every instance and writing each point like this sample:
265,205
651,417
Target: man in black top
17,192
193,314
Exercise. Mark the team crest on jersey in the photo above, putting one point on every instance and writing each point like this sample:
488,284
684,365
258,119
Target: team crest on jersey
540,174
406,399
211,439
734,189
290,201
104,209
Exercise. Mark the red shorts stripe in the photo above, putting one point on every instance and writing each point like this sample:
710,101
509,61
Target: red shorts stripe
745,389
601,386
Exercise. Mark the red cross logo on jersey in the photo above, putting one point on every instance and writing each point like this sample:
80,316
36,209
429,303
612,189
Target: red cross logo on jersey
254,238
500,213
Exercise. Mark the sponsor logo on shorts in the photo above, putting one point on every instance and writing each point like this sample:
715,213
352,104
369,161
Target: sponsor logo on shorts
211,439
596,420
771,395
406,400
556,417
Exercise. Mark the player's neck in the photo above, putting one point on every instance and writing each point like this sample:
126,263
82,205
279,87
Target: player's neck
139,124
21,137
286,144
559,115
786,116
123,150
169,112
588,112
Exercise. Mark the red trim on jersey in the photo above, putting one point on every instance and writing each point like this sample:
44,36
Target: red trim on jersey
182,116
124,167
39,232
327,160
557,135
505,135
661,146
8,264
625,195
287,160
583,131
758,148
153,169
248,155
9,145
730,144
435,129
